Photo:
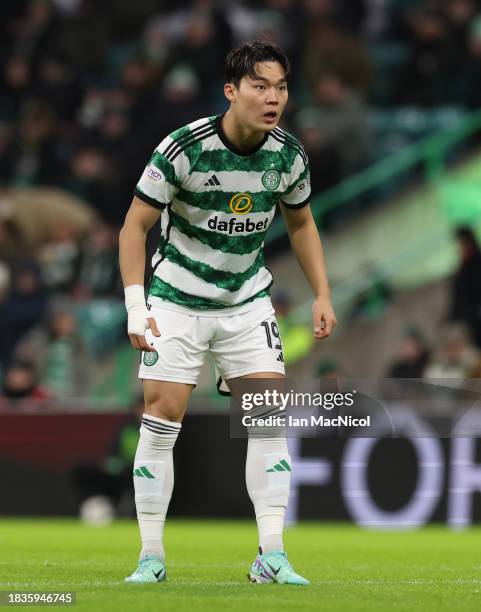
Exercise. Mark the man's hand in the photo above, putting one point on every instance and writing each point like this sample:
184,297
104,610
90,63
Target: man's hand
323,318
139,318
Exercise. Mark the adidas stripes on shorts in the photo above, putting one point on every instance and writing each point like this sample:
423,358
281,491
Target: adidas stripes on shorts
240,344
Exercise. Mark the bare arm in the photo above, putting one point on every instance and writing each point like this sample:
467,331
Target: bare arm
307,247
138,221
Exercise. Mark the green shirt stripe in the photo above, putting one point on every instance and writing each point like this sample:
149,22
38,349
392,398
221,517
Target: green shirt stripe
264,201
165,291
241,245
160,162
232,281
222,160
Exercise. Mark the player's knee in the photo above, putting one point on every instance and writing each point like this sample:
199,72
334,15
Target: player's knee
165,407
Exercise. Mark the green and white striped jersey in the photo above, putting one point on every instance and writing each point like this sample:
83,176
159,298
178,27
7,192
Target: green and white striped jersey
219,203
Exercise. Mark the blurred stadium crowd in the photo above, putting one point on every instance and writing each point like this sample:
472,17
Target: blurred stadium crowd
90,88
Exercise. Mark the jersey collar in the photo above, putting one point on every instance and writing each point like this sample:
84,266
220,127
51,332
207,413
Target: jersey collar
231,146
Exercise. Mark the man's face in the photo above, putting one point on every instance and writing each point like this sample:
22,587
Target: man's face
259,103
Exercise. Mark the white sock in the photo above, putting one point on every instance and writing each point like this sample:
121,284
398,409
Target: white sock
268,478
154,481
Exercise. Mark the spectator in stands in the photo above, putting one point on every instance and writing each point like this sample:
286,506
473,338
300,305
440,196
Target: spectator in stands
205,42
375,299
329,52
92,178
33,158
16,84
59,258
60,365
342,119
472,69
453,356
58,84
179,96
323,156
22,308
466,286
411,357
99,270
425,78
57,352
20,381
327,368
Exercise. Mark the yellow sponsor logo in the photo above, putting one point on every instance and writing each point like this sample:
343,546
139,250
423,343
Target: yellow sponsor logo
241,203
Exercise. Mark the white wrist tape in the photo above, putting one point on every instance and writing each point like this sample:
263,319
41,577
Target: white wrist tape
136,310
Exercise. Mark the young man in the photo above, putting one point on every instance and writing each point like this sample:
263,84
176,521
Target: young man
217,182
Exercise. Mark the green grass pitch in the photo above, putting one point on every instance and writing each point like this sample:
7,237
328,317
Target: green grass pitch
349,568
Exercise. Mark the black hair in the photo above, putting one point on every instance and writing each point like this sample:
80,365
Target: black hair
242,60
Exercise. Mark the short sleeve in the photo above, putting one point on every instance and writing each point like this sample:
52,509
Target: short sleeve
298,193
160,180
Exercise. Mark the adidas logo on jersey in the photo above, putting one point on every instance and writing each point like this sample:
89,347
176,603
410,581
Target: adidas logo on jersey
236,225
212,182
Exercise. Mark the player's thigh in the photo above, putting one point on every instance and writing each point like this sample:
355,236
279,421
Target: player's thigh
166,400
235,384
249,345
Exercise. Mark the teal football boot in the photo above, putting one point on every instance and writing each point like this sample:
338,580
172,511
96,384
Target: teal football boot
274,567
151,569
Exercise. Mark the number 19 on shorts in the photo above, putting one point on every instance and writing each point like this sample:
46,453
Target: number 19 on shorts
273,337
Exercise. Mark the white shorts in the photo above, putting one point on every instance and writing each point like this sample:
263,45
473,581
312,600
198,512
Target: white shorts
239,344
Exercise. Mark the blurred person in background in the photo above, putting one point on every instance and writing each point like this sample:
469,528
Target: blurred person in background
58,84
16,84
323,155
466,284
328,368
203,46
425,76
98,272
453,355
20,381
59,370
92,177
12,238
472,69
59,257
332,53
341,118
22,307
4,292
412,356
57,351
373,301
32,157
179,97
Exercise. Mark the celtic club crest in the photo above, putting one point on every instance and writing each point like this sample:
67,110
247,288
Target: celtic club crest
150,357
271,179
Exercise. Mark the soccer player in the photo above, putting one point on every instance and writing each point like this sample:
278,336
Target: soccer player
215,183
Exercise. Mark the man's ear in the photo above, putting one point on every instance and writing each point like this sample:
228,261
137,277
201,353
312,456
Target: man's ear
230,92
